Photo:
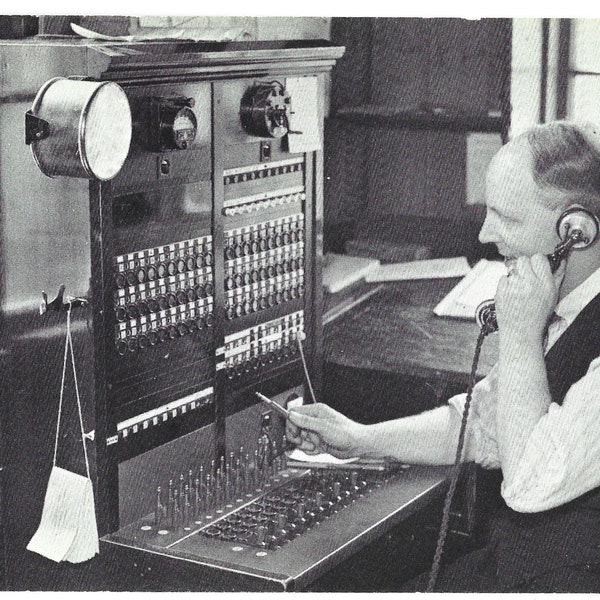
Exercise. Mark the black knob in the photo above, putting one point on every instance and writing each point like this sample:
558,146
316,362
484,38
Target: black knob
121,346
143,308
172,267
131,278
209,319
161,269
182,297
151,273
152,305
121,314
142,340
172,299
120,280
133,311
210,288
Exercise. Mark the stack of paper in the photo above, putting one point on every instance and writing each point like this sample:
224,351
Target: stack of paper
436,268
479,284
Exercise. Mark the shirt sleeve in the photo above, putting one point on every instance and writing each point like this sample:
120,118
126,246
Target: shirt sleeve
562,456
481,445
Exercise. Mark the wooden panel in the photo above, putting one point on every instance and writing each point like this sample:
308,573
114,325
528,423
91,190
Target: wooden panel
400,61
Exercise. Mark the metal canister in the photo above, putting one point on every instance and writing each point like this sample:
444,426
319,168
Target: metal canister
86,128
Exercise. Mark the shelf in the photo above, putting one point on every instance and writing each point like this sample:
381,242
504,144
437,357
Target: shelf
446,119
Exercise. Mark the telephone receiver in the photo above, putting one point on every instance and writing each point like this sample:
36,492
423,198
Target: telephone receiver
577,228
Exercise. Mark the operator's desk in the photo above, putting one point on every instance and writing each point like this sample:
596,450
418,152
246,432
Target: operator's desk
390,355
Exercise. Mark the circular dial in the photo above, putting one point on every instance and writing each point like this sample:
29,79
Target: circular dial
184,128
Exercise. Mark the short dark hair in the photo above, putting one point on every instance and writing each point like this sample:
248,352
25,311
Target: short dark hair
566,163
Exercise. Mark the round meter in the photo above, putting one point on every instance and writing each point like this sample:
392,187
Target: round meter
176,121
184,128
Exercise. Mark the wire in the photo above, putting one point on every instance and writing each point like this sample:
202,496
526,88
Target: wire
437,559
310,387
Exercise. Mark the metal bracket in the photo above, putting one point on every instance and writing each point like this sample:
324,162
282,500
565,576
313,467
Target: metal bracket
36,128
59,304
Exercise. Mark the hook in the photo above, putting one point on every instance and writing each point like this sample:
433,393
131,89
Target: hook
59,304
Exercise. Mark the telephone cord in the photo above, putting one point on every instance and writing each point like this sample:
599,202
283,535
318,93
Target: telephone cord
437,559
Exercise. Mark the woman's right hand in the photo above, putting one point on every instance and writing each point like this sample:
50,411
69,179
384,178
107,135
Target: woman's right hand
316,428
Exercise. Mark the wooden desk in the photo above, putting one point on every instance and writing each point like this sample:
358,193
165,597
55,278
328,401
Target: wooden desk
393,346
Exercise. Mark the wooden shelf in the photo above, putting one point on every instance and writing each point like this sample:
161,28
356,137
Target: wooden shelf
442,118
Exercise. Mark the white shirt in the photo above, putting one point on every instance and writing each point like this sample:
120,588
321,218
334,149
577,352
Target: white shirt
561,460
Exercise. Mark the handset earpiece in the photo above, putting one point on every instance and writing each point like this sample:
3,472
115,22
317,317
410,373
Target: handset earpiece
577,228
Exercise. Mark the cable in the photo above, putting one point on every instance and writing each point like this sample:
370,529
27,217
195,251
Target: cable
305,367
437,559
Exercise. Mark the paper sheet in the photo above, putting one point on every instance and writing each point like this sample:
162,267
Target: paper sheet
304,93
437,268
479,285
167,33
323,458
67,530
341,270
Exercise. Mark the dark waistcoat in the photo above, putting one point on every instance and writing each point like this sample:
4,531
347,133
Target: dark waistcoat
528,544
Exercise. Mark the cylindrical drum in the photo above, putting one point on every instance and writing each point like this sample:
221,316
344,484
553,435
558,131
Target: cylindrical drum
89,126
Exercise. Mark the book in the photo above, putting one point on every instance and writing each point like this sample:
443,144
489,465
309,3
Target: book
341,270
436,268
478,285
